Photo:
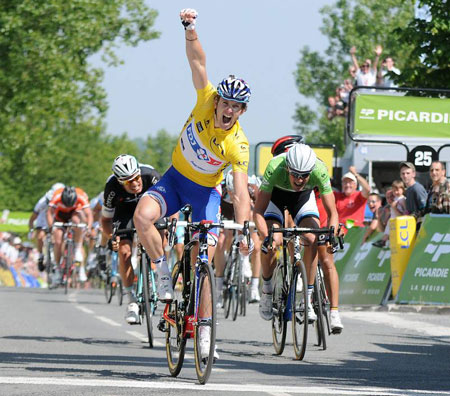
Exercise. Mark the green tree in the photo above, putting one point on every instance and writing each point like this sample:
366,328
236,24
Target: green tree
346,23
158,150
51,102
429,37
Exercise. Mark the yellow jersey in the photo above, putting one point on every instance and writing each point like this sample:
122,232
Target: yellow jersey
203,152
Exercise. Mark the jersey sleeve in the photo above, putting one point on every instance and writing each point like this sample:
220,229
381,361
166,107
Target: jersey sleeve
323,178
240,156
109,200
82,199
205,98
268,180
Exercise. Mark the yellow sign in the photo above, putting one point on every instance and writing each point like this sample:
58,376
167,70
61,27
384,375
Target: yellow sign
264,155
402,235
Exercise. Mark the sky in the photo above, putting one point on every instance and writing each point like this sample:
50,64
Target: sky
257,40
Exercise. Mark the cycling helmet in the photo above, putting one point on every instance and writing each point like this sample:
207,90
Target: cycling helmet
284,143
125,166
301,158
233,88
56,186
69,196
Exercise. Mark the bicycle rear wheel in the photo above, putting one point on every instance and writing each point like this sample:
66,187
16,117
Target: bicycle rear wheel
49,265
227,291
68,266
145,268
120,290
279,297
318,308
207,298
244,297
299,290
175,340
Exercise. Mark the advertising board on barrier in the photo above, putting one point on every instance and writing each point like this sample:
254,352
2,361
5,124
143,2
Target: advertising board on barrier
427,277
402,235
366,274
402,116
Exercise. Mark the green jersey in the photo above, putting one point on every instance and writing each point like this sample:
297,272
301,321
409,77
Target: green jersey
277,175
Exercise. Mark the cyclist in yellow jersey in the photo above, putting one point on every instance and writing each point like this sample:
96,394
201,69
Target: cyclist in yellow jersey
210,141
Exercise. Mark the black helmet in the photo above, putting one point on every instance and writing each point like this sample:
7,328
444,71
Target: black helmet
284,143
69,196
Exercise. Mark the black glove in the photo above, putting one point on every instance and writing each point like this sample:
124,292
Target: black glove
265,245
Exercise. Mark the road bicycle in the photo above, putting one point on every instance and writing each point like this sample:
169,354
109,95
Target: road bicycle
70,269
193,292
290,290
112,279
235,286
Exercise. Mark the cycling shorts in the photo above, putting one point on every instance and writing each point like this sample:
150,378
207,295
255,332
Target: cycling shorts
174,191
301,204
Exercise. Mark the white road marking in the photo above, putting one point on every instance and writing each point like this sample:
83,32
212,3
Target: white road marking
257,388
143,338
108,321
84,309
392,319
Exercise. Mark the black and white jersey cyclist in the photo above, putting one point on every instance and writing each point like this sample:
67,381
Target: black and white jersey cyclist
123,189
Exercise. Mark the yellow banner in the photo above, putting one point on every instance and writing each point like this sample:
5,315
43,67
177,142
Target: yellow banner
264,155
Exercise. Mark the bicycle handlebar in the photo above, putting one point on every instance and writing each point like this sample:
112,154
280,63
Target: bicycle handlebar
69,224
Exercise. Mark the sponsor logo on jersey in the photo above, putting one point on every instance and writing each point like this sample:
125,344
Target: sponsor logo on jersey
200,151
217,145
243,148
199,127
161,188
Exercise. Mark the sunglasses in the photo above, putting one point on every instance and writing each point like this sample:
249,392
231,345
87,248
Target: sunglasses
372,202
129,181
298,175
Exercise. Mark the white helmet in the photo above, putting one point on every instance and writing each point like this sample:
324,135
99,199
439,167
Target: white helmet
49,193
301,158
125,166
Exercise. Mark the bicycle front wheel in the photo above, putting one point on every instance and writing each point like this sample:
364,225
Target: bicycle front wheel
205,326
68,266
299,290
145,268
236,286
279,298
175,340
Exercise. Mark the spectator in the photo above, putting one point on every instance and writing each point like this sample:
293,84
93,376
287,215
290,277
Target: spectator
331,109
352,72
340,105
383,77
374,203
438,200
397,203
366,74
350,203
416,195
345,92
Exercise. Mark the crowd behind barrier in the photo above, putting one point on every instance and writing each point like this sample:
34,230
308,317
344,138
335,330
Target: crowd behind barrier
18,262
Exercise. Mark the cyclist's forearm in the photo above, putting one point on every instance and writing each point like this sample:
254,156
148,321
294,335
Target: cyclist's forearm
106,230
261,225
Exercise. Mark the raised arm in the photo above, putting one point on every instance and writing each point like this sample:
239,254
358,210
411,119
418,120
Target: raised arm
362,181
378,51
354,60
194,51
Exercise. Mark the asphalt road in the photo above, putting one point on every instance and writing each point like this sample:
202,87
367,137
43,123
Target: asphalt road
76,344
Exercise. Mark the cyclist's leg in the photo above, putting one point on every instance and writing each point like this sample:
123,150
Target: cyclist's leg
256,268
159,201
77,218
223,244
331,278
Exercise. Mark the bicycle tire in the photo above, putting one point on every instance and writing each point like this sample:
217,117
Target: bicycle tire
206,290
227,287
120,291
236,284
145,268
299,301
279,299
325,300
175,341
68,265
318,308
48,265
244,297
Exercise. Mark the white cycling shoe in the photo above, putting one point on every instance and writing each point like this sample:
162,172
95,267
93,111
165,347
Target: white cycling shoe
312,317
132,314
335,322
205,335
254,295
265,306
82,274
164,288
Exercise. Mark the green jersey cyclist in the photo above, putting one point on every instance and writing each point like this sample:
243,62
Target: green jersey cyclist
288,182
